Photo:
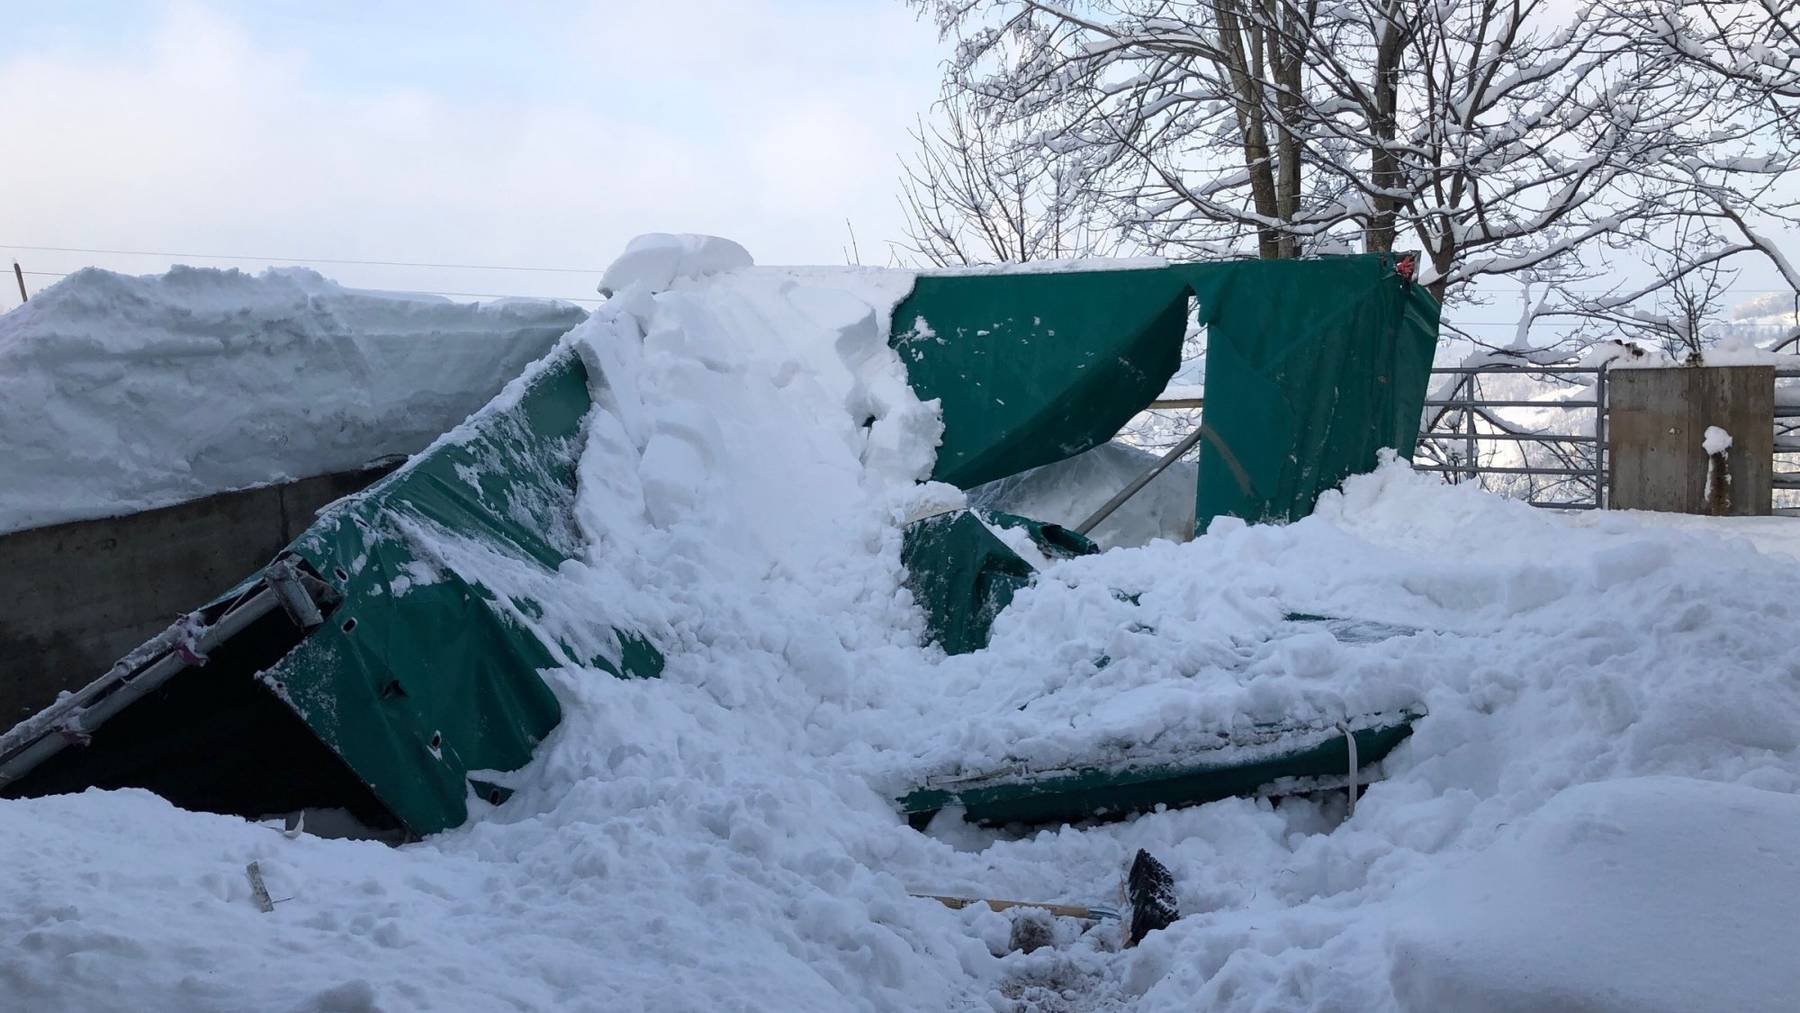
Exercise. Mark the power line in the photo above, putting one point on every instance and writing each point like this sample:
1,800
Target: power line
414,292
303,260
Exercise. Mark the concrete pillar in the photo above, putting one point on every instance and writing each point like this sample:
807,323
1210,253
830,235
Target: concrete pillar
1657,420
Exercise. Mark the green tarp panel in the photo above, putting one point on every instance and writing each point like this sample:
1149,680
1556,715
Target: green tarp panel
1229,764
1214,765
1035,368
963,575
1312,366
422,675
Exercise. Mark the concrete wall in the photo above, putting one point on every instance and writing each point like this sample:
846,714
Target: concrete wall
75,597
1656,420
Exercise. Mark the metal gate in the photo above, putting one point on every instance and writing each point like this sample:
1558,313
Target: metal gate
1473,432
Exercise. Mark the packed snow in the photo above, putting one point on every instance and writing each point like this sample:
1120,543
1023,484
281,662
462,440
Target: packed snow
120,393
1597,812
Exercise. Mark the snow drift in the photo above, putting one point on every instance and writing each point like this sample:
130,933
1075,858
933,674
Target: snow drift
725,837
120,394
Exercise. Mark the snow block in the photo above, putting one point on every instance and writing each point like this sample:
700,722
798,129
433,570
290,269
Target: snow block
410,682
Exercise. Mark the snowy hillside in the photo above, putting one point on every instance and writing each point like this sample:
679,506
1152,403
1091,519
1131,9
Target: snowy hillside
121,393
1598,811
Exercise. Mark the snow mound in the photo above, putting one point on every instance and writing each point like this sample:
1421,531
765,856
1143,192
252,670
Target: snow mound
120,393
657,260
1640,895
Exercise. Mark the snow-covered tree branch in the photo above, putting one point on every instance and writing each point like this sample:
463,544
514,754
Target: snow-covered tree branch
1499,137
972,193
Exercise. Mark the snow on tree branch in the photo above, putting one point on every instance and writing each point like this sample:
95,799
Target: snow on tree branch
1501,137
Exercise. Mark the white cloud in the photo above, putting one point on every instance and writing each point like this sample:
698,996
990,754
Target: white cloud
759,120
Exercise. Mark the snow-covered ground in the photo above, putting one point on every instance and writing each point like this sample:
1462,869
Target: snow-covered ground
120,393
1598,813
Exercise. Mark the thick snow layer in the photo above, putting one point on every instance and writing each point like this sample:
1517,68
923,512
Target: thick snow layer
1556,914
657,260
1068,492
120,393
1611,709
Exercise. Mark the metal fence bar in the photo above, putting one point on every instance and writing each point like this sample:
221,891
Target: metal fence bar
1465,402
1600,438
1519,437
1446,370
1584,472
1471,449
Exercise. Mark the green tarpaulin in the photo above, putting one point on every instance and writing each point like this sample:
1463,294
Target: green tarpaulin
963,575
421,675
1218,766
420,678
1312,366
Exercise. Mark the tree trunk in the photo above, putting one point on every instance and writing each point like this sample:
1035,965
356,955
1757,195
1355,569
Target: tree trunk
1384,176
1251,119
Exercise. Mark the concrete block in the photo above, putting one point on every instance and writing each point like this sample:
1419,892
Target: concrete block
1656,420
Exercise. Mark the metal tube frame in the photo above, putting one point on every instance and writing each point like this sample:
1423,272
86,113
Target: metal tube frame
1470,467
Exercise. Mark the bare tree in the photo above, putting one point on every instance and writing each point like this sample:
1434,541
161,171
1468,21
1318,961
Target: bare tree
1745,56
979,191
1496,135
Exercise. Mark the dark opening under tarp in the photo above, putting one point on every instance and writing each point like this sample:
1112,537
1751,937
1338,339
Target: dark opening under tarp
421,676
1312,367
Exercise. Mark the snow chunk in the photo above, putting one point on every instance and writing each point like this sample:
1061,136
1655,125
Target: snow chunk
1716,441
659,259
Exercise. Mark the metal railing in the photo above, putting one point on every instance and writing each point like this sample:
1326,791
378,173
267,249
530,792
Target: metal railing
1787,443
1460,424
1464,435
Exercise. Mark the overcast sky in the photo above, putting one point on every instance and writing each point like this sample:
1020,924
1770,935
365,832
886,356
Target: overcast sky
537,134
541,134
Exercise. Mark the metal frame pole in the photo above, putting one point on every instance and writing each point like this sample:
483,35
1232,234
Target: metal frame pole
1600,439
1471,451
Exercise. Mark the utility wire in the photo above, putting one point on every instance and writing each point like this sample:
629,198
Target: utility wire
303,260
402,291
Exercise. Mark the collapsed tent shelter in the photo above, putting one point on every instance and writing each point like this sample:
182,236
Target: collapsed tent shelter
359,671
1312,367
355,672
